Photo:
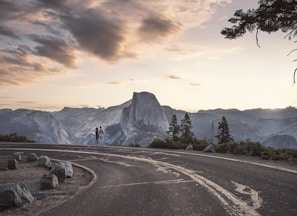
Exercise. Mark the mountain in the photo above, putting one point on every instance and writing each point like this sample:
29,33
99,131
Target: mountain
142,119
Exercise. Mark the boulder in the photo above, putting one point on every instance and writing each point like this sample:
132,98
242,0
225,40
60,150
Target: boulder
210,148
68,167
62,170
44,161
13,164
14,194
189,147
17,156
242,149
32,157
48,181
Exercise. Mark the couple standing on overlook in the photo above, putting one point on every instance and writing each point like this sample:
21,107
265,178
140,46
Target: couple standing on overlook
99,135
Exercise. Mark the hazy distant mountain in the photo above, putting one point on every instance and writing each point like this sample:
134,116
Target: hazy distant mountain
142,119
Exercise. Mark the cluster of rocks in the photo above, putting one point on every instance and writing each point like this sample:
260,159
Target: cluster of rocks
17,193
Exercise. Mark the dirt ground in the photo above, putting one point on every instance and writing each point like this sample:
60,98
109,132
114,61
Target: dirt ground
30,174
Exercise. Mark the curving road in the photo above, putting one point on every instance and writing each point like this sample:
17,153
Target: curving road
136,181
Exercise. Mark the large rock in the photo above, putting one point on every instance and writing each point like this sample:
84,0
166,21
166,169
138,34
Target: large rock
13,164
14,194
17,155
189,147
48,181
32,157
44,161
210,148
62,170
68,168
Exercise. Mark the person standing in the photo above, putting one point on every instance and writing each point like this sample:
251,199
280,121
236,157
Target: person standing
97,134
101,136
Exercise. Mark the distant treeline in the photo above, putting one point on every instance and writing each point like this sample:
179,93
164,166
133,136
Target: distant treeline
13,137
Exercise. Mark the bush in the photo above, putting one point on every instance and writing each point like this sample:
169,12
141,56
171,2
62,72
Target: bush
134,145
281,154
13,137
168,144
248,148
200,145
225,148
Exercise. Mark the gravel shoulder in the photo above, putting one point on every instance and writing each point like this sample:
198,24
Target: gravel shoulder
30,174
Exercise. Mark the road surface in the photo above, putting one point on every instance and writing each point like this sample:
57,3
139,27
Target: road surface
137,181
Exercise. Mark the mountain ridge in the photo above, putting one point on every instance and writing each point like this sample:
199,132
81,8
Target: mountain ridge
142,119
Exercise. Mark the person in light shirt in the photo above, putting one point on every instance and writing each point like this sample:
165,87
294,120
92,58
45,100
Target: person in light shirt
101,135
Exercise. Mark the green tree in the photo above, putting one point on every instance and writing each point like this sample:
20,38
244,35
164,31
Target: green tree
270,16
223,134
187,135
174,129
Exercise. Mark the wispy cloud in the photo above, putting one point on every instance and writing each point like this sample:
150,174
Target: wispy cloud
174,77
194,84
115,82
8,32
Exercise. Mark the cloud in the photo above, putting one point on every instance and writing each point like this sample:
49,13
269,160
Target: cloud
153,28
176,50
17,70
116,82
174,77
55,49
8,10
56,4
8,32
194,84
25,102
96,33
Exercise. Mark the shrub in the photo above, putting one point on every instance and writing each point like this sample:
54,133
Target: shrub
225,148
200,145
168,144
134,145
13,137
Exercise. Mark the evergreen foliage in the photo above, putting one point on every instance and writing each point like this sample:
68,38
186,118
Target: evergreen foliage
174,129
223,134
187,135
270,16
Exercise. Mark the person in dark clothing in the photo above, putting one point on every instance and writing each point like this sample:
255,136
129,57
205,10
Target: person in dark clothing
97,134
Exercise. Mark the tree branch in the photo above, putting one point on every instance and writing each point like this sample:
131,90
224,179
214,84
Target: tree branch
294,80
292,52
257,39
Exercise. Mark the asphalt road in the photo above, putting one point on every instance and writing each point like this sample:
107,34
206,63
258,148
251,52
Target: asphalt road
136,181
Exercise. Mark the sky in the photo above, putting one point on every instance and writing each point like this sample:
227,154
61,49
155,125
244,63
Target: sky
96,53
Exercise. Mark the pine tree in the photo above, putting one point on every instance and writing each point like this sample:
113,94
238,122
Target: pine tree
187,135
223,135
174,129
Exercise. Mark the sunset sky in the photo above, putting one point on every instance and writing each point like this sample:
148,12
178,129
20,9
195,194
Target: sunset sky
96,53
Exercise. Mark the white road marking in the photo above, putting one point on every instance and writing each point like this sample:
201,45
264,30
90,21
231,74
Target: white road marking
255,199
164,153
173,181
